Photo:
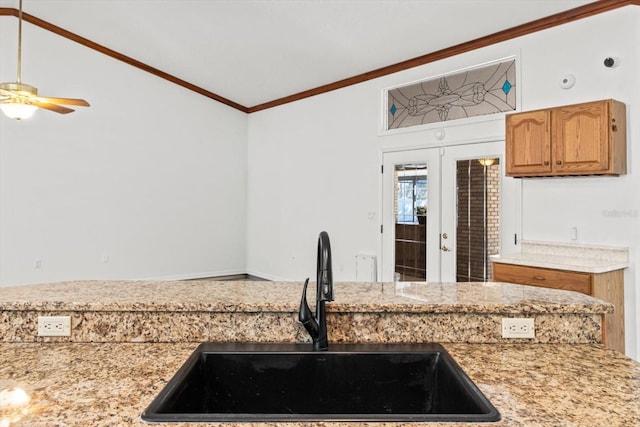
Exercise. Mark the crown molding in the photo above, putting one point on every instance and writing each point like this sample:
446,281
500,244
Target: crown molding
120,57
575,14
571,15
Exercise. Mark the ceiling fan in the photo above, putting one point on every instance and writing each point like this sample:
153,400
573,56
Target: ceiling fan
19,100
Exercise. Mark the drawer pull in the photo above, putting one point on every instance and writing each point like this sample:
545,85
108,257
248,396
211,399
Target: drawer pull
538,278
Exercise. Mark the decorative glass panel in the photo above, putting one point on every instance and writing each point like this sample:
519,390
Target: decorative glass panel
475,92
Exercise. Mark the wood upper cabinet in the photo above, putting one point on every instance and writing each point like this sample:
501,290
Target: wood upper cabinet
581,139
528,148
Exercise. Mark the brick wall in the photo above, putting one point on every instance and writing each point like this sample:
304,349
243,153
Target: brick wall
478,225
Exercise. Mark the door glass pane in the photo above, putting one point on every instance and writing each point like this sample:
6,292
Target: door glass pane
478,218
410,212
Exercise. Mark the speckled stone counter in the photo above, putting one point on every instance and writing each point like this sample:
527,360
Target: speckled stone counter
567,256
110,384
129,338
197,311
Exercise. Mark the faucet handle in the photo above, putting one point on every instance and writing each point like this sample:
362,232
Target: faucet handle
305,315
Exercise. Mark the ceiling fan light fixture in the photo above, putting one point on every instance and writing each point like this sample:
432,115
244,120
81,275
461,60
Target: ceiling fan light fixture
18,110
18,106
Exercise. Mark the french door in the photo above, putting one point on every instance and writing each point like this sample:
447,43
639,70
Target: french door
445,211
408,243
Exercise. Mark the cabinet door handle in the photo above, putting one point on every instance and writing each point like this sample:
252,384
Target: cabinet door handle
538,278
546,162
558,162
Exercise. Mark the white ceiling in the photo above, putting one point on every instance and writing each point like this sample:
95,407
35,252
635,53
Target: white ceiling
255,51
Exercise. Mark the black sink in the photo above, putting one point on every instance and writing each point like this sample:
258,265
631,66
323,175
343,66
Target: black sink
290,382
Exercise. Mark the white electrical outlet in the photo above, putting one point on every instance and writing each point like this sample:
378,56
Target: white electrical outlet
518,327
54,326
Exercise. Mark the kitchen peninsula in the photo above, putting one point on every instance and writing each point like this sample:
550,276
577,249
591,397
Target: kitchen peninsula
128,339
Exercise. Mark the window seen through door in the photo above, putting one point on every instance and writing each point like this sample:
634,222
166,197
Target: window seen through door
411,217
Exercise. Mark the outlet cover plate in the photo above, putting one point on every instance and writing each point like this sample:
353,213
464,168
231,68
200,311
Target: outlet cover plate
519,327
54,326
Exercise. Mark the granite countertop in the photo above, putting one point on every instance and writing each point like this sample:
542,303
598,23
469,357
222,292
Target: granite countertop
257,297
110,384
584,265
89,383
567,256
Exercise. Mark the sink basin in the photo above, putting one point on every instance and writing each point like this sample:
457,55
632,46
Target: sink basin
289,382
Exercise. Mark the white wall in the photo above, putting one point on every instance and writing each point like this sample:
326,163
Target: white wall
151,178
314,164
606,211
161,181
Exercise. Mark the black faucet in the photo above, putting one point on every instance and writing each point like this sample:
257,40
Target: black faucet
317,326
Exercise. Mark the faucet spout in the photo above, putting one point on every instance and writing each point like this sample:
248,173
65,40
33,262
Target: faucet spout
317,325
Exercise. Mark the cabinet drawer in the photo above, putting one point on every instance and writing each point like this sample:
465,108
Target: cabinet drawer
556,279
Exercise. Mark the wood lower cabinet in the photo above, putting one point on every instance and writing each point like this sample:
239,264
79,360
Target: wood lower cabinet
607,286
580,139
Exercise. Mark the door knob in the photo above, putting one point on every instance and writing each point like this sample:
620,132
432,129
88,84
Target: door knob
445,248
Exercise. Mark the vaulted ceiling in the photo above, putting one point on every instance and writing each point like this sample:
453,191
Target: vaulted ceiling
253,52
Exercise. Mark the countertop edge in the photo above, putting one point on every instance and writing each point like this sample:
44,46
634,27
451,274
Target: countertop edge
582,268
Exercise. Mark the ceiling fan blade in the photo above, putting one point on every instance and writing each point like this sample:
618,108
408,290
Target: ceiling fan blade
52,107
63,101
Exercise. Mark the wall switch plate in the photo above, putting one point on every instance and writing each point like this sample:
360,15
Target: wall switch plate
519,327
54,326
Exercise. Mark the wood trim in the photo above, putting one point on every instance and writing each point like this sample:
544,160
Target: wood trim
609,287
120,57
575,14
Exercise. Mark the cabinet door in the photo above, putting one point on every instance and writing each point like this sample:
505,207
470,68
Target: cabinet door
528,143
581,138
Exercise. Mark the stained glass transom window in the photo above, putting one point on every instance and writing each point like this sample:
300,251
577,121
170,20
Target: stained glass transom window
479,91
